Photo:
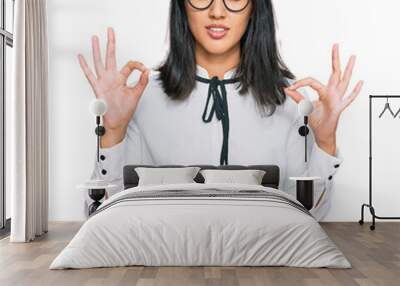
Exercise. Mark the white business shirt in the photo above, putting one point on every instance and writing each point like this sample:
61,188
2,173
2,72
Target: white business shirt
164,131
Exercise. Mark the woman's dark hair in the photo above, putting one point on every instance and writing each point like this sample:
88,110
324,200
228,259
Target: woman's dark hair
261,68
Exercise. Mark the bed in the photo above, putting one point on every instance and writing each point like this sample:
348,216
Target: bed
201,224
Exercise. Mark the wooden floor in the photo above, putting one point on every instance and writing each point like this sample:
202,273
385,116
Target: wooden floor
375,257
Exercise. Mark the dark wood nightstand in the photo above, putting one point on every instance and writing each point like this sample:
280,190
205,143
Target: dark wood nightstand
96,191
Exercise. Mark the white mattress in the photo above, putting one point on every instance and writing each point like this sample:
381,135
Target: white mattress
203,231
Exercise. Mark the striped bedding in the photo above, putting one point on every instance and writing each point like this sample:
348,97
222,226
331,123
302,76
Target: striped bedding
201,225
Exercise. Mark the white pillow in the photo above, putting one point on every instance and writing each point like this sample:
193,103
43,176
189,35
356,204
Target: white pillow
171,175
249,177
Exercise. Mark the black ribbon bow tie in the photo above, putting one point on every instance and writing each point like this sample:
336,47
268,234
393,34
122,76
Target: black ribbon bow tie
220,108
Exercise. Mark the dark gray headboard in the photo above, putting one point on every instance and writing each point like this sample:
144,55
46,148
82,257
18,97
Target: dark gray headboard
270,179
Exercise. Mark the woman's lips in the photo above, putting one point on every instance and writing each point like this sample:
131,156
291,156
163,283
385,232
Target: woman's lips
217,34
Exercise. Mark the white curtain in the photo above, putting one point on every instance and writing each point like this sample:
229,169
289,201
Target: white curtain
27,117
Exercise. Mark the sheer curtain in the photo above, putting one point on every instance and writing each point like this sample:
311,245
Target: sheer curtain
27,121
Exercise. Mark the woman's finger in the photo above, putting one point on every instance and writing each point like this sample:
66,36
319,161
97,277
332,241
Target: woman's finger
142,83
336,70
311,82
98,64
356,91
130,67
344,84
295,95
334,79
86,70
110,54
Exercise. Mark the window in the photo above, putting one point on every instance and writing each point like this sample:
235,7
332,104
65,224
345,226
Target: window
6,44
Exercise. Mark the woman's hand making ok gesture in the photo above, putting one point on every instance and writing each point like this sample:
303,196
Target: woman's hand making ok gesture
331,103
110,85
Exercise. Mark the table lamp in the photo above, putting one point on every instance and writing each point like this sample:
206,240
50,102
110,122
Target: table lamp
97,187
305,185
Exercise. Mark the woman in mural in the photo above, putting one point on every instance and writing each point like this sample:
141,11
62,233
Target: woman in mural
222,96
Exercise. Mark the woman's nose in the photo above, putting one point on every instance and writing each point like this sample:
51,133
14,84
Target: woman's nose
217,9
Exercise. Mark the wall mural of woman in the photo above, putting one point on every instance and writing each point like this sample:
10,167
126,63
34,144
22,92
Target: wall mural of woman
224,61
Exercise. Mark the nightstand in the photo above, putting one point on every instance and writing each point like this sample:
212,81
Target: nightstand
96,190
305,190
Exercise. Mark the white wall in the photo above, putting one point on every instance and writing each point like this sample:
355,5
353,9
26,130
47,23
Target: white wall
307,29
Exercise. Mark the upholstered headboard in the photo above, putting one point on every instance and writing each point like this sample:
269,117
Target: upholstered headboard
270,179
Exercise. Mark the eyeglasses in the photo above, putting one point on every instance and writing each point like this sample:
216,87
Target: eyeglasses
230,5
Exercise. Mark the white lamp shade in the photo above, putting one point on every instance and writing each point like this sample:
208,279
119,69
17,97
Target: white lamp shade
98,107
305,107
